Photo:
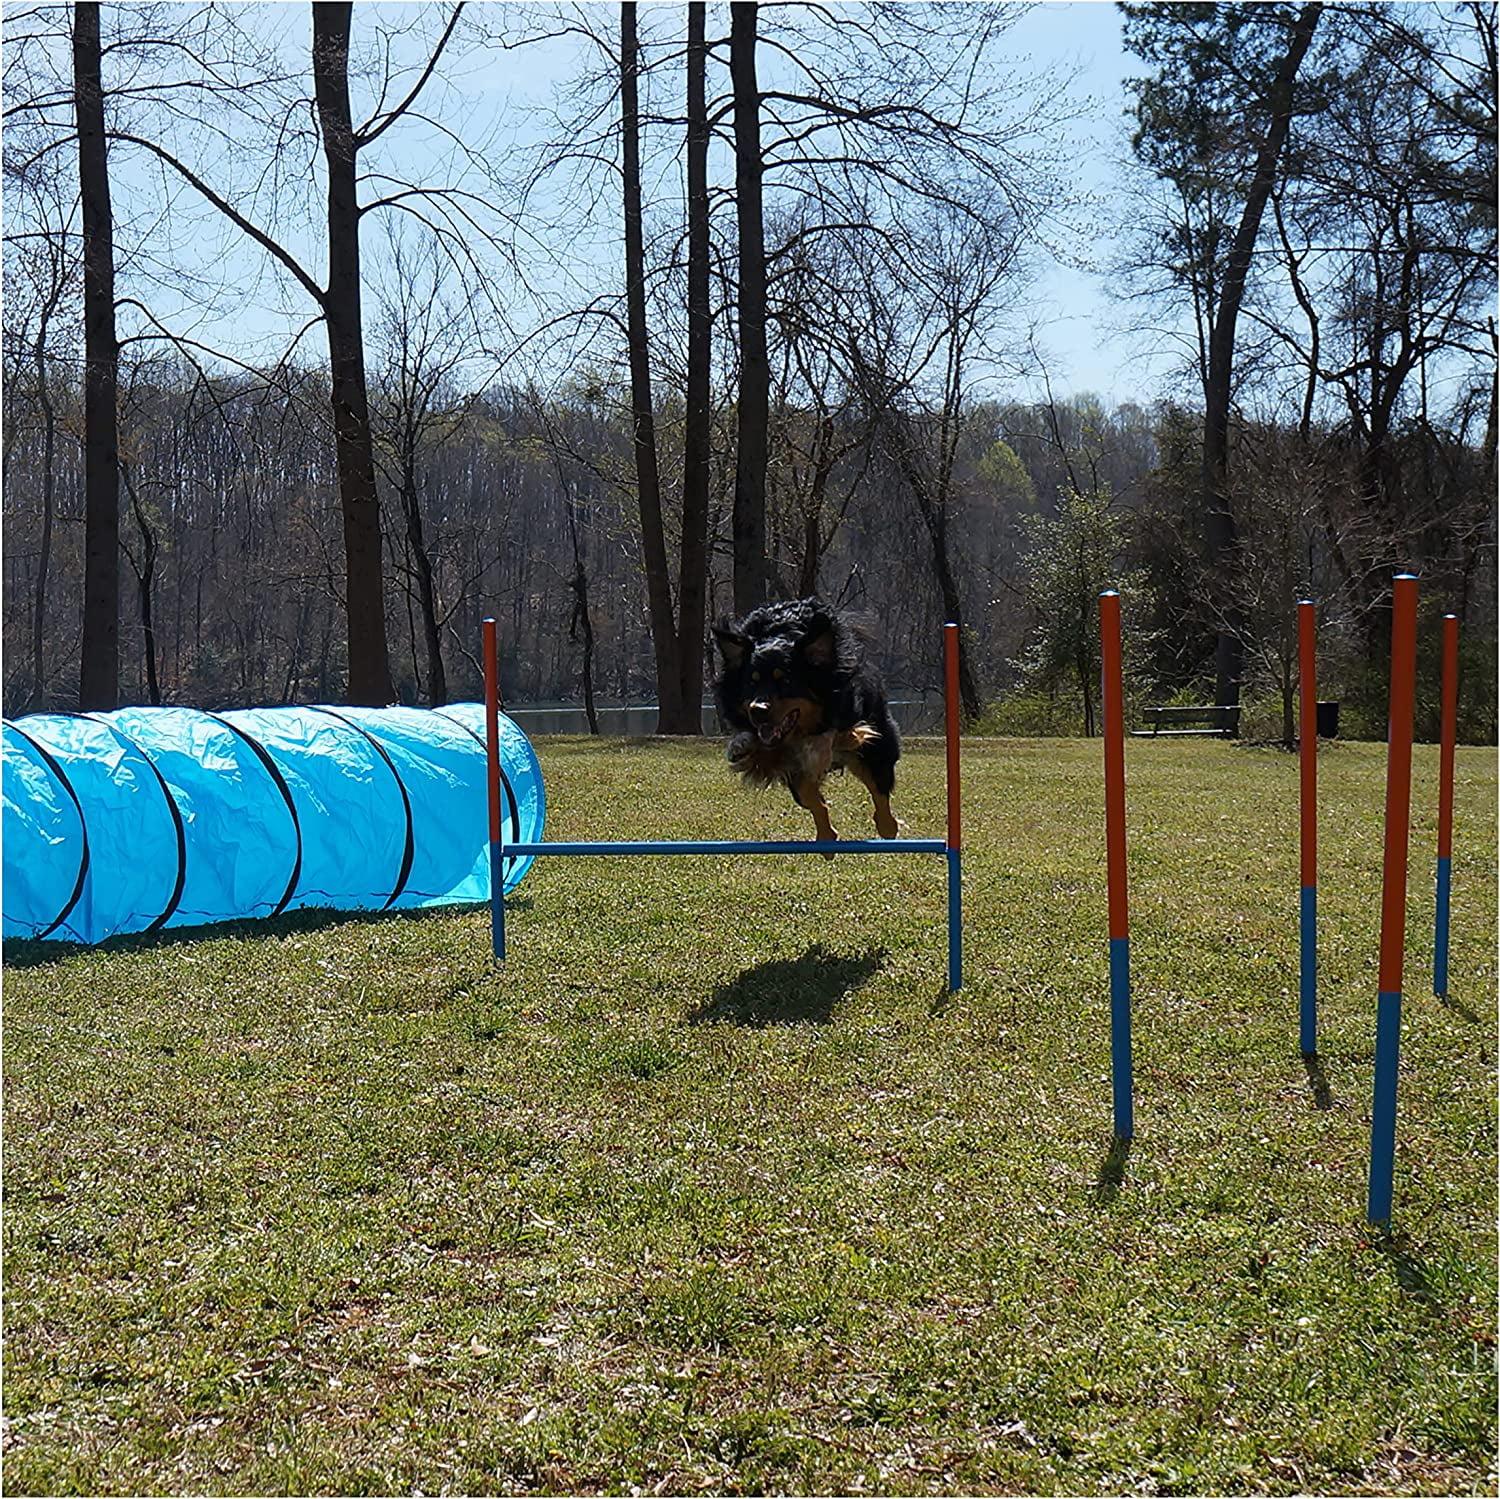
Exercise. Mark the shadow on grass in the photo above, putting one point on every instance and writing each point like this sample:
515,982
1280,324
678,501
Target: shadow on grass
1111,1171
1458,1007
31,954
1317,1080
789,991
1411,1274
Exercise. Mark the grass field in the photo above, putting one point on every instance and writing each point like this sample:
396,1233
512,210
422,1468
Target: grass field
715,1189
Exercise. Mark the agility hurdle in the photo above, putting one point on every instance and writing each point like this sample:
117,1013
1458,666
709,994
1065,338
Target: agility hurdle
950,847
1448,740
1307,752
1393,896
1113,694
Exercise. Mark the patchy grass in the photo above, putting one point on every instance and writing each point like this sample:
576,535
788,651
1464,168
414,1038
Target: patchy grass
714,1188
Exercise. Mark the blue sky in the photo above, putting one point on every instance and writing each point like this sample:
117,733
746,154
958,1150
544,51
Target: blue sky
1076,318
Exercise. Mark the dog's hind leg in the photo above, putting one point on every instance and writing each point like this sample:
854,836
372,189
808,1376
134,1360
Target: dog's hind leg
809,793
806,783
885,819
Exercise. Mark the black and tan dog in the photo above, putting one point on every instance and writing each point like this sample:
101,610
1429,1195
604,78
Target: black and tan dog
803,700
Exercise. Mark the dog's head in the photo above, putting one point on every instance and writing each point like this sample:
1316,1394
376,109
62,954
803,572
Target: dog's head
779,668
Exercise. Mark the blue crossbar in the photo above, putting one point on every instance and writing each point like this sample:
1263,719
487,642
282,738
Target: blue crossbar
843,846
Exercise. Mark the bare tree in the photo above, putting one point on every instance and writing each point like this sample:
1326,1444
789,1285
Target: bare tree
99,678
339,306
750,578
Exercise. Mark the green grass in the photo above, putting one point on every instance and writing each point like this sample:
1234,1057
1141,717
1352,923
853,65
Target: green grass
715,1189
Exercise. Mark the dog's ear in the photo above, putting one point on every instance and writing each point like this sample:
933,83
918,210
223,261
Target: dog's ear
820,644
732,645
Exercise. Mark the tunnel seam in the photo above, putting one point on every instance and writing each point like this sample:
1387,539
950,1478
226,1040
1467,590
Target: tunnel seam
172,807
274,771
50,761
411,846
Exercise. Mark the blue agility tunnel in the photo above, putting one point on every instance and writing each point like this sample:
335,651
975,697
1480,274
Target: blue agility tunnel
149,818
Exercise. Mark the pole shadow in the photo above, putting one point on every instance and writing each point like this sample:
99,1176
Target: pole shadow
1317,1080
1410,1272
1458,1007
1112,1171
789,991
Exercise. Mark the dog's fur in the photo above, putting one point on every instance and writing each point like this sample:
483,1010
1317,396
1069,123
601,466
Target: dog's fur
801,699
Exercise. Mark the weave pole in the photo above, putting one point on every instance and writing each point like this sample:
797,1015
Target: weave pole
955,832
1307,747
1445,806
492,771
1393,896
1113,693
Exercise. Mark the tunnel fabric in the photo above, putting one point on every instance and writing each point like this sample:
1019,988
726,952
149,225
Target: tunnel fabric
150,817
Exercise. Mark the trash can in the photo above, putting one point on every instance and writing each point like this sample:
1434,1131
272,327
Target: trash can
1328,720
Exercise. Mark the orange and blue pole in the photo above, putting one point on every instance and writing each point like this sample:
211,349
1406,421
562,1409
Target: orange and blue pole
1307,627
492,769
1113,694
1448,739
955,833
1393,896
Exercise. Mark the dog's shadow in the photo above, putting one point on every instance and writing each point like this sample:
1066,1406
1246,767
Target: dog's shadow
789,991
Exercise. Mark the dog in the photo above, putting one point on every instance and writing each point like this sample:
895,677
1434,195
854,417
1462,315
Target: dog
802,700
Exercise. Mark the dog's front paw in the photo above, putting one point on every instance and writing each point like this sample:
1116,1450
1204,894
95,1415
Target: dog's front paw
833,837
886,825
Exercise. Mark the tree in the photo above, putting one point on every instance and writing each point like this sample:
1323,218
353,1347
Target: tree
426,337
1181,112
1072,558
643,417
697,432
339,306
750,576
99,678
914,355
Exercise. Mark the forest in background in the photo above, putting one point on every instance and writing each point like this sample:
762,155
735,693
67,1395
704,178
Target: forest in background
778,350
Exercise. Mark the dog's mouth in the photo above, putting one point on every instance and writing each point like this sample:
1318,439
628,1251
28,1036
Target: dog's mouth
774,733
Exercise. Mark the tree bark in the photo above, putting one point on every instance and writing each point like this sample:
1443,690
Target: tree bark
648,478
750,572
432,640
49,494
692,583
1219,526
99,675
369,658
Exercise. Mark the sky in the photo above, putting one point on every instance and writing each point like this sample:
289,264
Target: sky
1070,302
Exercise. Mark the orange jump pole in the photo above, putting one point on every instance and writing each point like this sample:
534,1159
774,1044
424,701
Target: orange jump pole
1307,747
1445,806
492,773
1113,694
955,838
1393,896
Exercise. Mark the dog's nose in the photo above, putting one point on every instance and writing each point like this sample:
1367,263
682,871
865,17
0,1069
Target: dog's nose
759,710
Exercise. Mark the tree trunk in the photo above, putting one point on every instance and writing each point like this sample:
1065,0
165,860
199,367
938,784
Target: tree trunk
364,591
44,549
99,675
812,520
146,583
1219,526
581,619
692,584
648,479
933,510
749,526
432,640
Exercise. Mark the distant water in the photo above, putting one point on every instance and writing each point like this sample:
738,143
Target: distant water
913,715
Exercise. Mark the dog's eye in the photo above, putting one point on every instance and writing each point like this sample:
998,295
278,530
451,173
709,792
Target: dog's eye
755,676
778,674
